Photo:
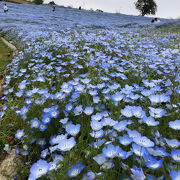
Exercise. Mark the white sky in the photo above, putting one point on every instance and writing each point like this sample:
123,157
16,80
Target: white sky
166,8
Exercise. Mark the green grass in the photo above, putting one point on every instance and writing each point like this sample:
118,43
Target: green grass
5,56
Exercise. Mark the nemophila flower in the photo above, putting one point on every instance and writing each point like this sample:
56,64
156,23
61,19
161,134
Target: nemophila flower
153,163
143,141
125,139
75,169
120,126
42,127
157,151
93,92
24,110
89,175
40,79
157,112
20,133
96,99
41,142
73,129
100,86
7,148
137,173
64,121
28,101
59,95
56,139
89,110
147,92
109,122
117,97
54,113
19,94
22,85
66,144
100,159
150,121
97,117
35,123
175,175
80,87
138,112
46,119
98,143
44,153
78,110
69,107
138,150
111,151
96,125
86,80
38,169
175,154
97,134
127,111
174,124
107,165
173,143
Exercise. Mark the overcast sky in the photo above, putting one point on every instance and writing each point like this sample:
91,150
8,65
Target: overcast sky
166,8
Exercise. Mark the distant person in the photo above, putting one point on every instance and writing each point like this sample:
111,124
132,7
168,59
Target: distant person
79,7
5,8
53,8
155,20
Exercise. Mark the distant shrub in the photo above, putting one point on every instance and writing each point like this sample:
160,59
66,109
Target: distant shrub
52,3
38,2
99,10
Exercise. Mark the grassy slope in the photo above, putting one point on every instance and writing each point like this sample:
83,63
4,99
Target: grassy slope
5,55
19,1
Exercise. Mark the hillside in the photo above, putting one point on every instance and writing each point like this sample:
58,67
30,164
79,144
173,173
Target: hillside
19,1
89,96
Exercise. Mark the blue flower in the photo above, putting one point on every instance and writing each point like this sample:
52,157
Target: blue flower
75,169
138,150
96,125
157,112
42,127
54,113
174,143
89,110
46,118
35,123
150,121
143,141
175,175
38,169
154,164
117,97
137,173
44,153
127,111
111,151
175,124
125,139
100,159
19,134
97,134
73,129
97,117
66,144
120,126
175,154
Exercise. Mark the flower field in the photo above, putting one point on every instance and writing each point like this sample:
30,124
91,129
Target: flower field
87,105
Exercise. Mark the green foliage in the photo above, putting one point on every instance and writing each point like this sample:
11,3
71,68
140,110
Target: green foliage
52,3
146,7
38,2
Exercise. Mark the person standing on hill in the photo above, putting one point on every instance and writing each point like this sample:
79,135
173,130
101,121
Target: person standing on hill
53,8
5,8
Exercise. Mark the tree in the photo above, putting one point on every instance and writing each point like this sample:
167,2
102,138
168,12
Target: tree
146,7
38,2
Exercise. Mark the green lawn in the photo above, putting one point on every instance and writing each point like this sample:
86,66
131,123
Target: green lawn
5,56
